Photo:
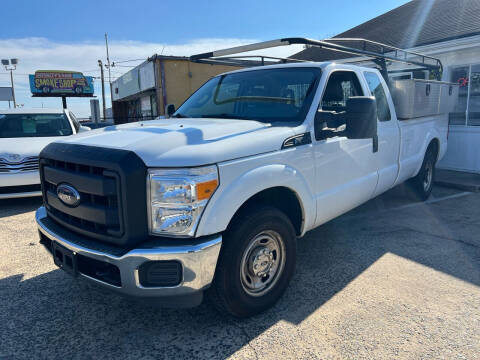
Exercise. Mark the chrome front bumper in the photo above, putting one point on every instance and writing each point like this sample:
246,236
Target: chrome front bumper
198,263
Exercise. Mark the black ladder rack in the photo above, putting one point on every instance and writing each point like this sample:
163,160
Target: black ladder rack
366,50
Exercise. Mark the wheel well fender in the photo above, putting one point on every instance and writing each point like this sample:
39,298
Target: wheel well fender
276,184
282,198
436,145
432,140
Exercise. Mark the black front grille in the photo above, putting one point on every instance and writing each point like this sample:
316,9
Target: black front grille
29,163
107,211
98,212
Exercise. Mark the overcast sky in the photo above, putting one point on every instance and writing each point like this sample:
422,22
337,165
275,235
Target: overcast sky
69,35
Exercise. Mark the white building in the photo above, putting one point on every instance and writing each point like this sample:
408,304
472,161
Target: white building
445,29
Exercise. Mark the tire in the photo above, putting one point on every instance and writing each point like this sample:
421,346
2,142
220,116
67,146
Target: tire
422,184
256,262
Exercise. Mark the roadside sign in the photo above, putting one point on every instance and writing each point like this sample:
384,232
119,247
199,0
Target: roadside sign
6,93
58,83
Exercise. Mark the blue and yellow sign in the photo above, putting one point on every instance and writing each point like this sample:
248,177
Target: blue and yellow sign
60,83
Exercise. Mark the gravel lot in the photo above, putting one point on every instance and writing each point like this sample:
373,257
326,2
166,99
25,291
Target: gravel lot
392,279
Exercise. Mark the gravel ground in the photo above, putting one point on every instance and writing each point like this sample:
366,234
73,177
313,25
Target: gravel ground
392,279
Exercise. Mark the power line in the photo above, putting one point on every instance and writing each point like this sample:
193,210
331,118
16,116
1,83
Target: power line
123,61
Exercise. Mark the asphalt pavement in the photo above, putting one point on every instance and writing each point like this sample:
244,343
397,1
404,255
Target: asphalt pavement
394,278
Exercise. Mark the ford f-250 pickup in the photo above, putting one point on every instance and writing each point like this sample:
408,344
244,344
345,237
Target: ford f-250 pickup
214,198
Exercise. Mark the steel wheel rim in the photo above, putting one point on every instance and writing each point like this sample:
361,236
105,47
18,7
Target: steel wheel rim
427,181
262,263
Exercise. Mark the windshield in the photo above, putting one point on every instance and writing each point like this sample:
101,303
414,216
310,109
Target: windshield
272,95
34,125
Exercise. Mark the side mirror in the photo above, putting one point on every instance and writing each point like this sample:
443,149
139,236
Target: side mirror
331,119
320,122
84,128
323,118
361,117
170,109
327,119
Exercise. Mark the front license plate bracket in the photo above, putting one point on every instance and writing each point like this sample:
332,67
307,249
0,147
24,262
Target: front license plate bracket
65,259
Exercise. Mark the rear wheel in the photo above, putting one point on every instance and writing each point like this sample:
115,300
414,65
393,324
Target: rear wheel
256,262
422,184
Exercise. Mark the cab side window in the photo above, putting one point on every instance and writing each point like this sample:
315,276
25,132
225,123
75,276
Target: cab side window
331,116
341,85
376,88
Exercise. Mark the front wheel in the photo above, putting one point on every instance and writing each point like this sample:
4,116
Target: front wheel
422,184
256,262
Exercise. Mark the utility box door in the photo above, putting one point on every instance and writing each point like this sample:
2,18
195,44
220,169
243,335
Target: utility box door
417,98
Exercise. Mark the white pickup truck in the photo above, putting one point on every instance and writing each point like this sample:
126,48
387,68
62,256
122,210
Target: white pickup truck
215,197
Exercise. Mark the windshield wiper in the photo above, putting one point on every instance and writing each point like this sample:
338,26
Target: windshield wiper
178,116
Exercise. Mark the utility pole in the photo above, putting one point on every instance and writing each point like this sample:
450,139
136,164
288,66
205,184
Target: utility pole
13,63
109,73
103,89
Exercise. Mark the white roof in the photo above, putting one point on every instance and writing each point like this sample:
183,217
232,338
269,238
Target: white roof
32,111
276,66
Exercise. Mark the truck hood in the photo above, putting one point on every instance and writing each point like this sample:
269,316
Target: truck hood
188,142
23,146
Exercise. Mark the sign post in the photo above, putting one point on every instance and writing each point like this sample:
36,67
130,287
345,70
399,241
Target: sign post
11,65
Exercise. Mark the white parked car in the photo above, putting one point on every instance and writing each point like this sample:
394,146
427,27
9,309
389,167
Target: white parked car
23,134
214,198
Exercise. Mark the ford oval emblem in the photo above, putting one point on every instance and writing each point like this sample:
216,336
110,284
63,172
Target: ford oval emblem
68,195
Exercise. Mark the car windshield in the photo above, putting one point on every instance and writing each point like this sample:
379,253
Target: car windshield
34,125
279,95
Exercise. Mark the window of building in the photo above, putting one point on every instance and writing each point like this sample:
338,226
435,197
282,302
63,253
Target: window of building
417,74
153,101
401,76
474,96
376,88
467,107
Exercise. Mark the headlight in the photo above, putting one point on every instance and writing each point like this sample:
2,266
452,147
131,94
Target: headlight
177,198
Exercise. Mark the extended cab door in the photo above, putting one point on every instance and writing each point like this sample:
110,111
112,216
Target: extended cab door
388,133
346,169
